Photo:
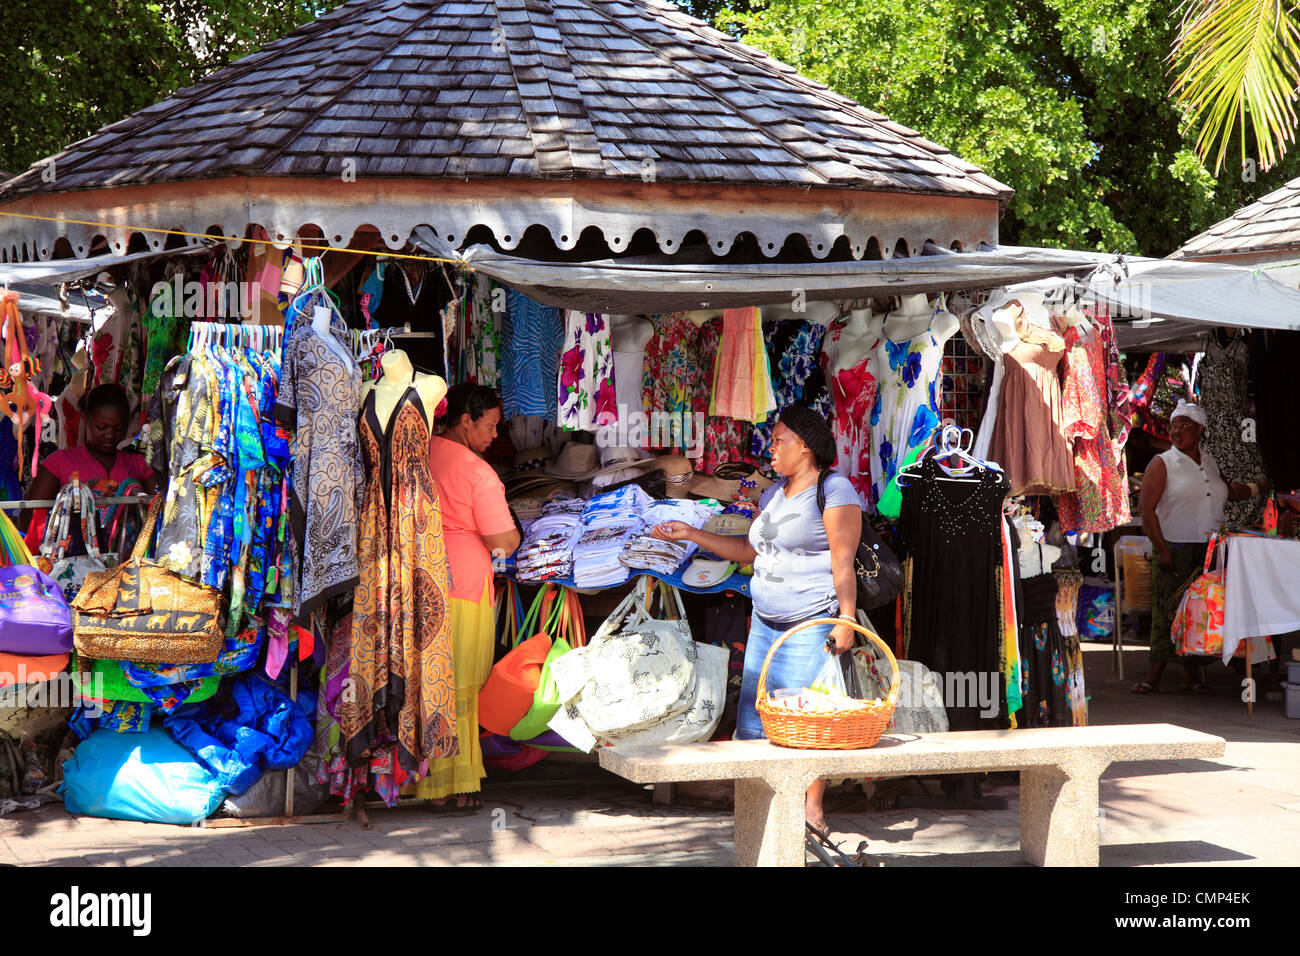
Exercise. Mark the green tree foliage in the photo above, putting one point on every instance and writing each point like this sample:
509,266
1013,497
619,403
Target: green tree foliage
1067,101
73,66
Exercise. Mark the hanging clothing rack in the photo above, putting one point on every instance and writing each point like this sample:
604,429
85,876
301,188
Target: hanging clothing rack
49,503
234,334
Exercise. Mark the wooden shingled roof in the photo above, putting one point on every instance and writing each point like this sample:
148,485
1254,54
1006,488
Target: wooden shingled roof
485,89
1270,224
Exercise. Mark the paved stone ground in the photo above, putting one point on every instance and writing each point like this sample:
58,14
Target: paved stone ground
1240,810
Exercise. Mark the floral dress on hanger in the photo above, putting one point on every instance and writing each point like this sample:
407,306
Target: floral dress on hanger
1101,501
906,410
853,393
483,359
671,376
725,438
586,398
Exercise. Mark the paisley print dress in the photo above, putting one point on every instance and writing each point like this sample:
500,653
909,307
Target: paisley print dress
320,392
400,662
1223,393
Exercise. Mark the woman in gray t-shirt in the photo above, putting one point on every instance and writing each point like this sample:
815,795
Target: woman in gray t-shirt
803,567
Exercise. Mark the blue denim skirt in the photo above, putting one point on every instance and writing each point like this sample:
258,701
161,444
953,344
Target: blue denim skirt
795,665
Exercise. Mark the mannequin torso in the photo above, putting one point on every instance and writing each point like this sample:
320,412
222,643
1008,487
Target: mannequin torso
822,313
858,339
398,376
915,317
320,322
629,335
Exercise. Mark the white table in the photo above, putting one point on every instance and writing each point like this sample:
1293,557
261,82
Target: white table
1261,596
1261,590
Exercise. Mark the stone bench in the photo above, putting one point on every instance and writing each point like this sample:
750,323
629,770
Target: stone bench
1060,769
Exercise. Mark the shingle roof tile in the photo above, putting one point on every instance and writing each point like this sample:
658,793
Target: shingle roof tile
550,88
1270,223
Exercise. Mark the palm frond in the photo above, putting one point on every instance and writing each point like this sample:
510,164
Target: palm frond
1240,63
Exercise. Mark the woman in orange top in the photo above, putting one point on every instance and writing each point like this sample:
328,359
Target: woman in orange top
476,524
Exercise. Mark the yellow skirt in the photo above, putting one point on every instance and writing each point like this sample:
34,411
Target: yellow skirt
473,629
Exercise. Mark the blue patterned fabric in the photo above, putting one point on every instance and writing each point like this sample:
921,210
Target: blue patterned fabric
170,685
534,335
790,375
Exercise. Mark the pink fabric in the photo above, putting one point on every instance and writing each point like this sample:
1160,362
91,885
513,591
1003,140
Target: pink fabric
733,388
63,463
473,504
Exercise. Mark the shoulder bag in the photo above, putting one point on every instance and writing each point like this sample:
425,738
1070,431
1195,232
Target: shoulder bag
75,502
1197,627
143,612
879,575
34,616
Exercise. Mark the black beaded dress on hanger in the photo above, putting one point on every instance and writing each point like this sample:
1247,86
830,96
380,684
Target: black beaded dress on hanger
951,539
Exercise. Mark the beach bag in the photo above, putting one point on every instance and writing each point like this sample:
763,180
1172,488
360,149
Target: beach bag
141,611
147,777
508,693
34,616
107,681
1197,627
569,633
75,502
640,680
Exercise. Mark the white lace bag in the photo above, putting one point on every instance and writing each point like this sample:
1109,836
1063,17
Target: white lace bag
639,680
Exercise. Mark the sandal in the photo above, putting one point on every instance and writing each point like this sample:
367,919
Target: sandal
472,804
1143,687
824,829
1203,689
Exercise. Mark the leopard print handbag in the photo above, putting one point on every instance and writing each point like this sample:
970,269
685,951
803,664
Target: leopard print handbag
145,613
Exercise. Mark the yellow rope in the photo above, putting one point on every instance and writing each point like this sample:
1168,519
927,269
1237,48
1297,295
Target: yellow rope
208,235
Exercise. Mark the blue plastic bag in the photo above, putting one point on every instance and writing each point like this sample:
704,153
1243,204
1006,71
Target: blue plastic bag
146,777
250,727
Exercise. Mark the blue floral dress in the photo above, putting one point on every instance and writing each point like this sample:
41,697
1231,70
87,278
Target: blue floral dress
906,411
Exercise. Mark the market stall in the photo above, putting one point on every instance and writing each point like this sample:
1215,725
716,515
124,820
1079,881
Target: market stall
643,327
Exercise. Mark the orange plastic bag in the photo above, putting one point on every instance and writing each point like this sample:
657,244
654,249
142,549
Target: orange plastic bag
509,690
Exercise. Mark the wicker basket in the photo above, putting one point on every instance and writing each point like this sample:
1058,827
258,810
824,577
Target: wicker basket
855,728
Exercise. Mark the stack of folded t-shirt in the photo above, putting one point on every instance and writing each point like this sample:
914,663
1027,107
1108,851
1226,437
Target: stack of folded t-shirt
547,550
608,521
646,552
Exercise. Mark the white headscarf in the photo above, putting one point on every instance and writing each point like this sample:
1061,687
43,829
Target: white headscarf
1188,410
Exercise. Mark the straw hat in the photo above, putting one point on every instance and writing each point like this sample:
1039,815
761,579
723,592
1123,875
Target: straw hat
575,462
532,459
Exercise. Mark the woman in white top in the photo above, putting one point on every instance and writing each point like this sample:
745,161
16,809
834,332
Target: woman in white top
1182,505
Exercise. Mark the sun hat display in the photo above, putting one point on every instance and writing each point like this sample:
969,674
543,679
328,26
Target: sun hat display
531,459
575,462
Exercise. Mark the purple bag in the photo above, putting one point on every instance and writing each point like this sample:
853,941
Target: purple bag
35,620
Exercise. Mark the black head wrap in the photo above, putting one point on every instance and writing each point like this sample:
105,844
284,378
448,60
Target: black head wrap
814,432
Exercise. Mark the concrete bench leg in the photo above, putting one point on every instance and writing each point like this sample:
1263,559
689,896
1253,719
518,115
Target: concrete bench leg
1059,814
770,823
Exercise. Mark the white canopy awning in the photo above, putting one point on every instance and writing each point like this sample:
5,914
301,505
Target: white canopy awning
1155,302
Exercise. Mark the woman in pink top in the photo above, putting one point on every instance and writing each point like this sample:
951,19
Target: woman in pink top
476,524
107,411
